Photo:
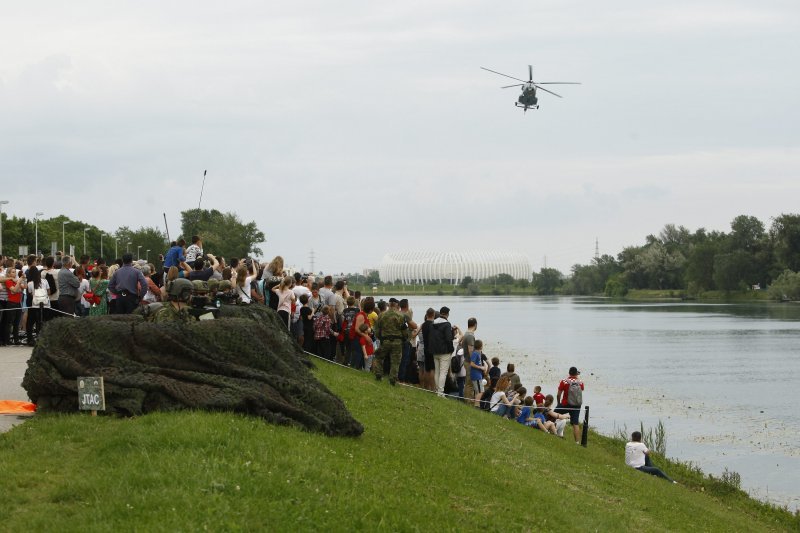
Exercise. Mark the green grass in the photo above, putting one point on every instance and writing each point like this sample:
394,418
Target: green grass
423,463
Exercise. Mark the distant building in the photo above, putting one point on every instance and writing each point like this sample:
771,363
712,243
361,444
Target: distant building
452,267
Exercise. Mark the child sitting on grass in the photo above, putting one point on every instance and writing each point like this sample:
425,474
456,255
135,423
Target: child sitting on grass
525,416
542,423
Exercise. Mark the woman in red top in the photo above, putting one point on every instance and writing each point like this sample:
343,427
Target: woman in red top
15,285
359,338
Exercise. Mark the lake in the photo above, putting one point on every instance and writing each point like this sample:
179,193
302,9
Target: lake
723,378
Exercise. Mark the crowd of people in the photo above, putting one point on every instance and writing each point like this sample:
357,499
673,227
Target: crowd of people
381,337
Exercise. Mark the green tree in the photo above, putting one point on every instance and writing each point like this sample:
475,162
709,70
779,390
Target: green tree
142,240
466,281
733,271
615,286
785,233
505,279
547,281
223,234
747,233
700,267
786,286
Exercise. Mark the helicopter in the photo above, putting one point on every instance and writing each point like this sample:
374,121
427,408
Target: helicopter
527,100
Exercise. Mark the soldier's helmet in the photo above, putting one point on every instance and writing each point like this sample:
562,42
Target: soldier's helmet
200,293
180,290
213,287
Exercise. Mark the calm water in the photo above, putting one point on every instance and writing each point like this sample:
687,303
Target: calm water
723,378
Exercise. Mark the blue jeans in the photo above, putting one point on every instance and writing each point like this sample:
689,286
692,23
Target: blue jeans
652,470
460,382
356,354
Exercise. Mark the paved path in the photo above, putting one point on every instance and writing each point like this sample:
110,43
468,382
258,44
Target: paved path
13,362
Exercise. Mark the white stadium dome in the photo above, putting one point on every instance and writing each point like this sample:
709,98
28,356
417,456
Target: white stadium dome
452,267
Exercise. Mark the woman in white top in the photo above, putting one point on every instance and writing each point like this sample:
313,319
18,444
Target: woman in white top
286,298
83,288
242,285
39,291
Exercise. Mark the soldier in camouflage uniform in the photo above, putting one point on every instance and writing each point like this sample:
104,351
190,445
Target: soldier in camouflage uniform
179,293
389,328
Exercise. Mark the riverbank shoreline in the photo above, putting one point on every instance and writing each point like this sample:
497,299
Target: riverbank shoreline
637,295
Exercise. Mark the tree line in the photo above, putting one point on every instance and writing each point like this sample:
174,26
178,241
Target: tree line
223,234
749,255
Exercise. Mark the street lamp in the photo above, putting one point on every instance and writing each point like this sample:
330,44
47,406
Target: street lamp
84,240
147,255
128,248
138,248
101,244
2,203
36,251
63,237
116,254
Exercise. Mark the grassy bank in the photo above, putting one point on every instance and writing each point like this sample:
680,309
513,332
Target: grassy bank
423,463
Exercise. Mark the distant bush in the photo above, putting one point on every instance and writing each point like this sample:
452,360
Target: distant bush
785,286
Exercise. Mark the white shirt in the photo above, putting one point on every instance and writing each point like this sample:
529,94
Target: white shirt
82,288
496,400
192,253
635,453
244,292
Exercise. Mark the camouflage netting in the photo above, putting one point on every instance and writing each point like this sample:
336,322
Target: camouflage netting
232,364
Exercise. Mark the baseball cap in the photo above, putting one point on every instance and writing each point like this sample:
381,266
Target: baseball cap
573,371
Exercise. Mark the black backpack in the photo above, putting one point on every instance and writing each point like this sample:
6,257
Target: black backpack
456,363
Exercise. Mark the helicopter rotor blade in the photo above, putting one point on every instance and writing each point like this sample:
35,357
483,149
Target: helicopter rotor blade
558,83
530,73
516,85
506,75
547,91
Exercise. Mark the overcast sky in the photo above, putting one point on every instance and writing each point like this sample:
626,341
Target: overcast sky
361,128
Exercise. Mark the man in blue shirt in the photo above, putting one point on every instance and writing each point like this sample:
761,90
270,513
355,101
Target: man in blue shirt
174,256
129,285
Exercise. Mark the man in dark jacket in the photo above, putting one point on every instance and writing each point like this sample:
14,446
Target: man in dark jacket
440,343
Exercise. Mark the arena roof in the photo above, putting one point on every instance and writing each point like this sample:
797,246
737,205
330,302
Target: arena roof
452,267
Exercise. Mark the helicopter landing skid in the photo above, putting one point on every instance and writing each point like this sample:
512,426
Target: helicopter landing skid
526,107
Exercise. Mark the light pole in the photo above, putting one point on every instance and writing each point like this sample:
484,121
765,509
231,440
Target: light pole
147,255
138,249
128,248
63,237
2,203
101,244
84,240
36,251
116,253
